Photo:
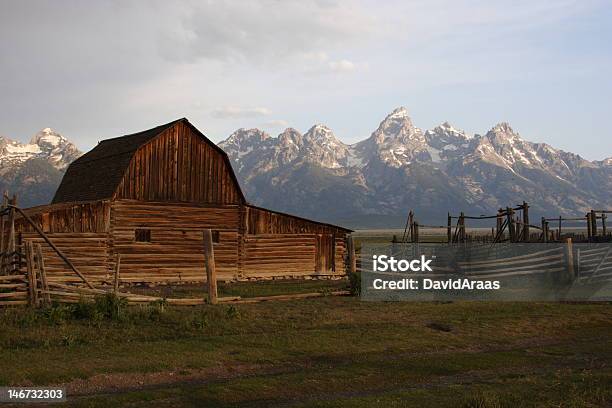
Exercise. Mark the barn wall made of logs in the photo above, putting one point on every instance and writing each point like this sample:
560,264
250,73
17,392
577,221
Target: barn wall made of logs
175,251
84,217
179,165
279,244
88,251
292,255
279,255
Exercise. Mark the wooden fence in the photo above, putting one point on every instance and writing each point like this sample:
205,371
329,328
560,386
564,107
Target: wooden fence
512,224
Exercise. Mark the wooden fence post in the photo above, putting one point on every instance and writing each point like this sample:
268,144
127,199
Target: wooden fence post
449,229
594,223
569,258
544,230
42,272
499,222
589,226
603,224
352,261
31,274
117,271
209,262
411,221
525,222
510,219
2,233
11,242
559,232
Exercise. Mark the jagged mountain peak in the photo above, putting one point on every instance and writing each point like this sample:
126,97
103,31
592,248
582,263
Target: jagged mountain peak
244,134
397,129
48,137
323,135
319,129
399,112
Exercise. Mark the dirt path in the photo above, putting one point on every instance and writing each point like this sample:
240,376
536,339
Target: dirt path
118,383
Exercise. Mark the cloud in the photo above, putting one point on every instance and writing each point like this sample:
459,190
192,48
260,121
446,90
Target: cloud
276,123
342,66
233,112
320,63
264,31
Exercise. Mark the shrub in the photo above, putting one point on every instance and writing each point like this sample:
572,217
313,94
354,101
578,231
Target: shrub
110,306
59,313
355,283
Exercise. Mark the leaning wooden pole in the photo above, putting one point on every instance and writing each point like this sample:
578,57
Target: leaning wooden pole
593,223
52,245
209,262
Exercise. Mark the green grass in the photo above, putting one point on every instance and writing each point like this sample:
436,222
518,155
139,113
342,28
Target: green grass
324,352
248,289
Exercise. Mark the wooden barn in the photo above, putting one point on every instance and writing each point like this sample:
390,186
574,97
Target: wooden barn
148,196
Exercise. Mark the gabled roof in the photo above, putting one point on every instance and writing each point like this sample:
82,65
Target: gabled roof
97,174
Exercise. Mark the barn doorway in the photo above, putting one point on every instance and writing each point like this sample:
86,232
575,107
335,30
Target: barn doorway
325,254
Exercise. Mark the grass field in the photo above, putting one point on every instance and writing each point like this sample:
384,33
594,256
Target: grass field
323,352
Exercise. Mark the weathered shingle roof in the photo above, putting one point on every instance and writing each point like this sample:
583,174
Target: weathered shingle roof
97,174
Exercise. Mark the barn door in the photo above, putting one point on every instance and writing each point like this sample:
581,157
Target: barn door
325,254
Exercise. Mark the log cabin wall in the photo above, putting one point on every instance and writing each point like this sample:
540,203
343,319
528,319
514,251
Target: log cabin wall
179,165
79,230
277,244
171,246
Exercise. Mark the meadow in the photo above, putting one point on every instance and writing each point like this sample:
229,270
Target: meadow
324,352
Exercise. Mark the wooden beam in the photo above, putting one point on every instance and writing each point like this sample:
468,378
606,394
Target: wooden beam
209,262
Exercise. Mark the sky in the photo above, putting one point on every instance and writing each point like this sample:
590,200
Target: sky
94,70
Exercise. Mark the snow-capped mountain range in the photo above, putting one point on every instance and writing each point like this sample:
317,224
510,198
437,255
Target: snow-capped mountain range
373,182
401,167
34,170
